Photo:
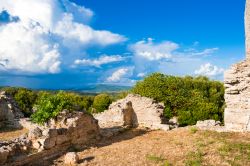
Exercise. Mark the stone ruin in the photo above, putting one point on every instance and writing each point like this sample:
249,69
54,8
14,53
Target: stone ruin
143,112
9,112
68,130
237,87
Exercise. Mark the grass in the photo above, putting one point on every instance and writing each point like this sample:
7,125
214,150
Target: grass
158,159
235,153
194,158
193,130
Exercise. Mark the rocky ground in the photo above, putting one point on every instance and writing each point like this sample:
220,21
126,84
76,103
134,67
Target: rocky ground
182,146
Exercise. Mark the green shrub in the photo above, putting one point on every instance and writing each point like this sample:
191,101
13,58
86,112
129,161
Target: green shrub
49,105
101,103
191,99
25,100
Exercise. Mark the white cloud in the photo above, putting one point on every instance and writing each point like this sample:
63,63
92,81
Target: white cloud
26,48
141,75
84,34
104,59
209,70
153,51
205,52
34,44
121,75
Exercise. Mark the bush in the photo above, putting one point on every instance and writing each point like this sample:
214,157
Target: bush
25,100
49,105
191,99
101,102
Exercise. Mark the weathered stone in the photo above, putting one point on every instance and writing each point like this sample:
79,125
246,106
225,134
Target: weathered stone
9,111
49,132
60,139
129,116
237,87
147,113
35,133
47,143
71,158
3,155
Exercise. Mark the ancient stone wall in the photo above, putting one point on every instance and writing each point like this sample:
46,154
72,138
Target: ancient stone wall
9,111
237,97
237,88
69,129
148,113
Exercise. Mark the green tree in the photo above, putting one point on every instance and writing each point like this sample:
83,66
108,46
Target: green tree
25,99
190,99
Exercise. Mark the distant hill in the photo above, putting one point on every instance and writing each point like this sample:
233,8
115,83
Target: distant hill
101,88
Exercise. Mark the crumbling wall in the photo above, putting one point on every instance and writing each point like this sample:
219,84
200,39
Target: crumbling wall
148,113
237,97
69,129
9,111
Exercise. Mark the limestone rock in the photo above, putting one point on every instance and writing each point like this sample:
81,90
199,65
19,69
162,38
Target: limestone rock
35,133
145,113
71,158
68,129
208,123
9,111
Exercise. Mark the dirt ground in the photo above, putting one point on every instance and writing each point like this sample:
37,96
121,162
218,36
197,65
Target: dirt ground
8,134
183,146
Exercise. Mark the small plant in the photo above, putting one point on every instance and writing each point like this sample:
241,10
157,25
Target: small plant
155,158
194,158
193,130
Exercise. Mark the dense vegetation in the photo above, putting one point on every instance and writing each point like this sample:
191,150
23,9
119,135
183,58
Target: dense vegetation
44,105
190,99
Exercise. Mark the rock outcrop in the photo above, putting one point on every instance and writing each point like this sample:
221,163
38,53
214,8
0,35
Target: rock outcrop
237,84
9,111
237,97
146,113
69,129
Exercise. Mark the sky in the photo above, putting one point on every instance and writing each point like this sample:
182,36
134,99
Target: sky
64,44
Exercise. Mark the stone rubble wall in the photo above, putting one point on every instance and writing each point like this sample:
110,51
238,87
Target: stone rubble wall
148,113
69,129
237,97
9,111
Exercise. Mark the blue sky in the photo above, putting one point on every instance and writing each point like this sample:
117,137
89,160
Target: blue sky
69,44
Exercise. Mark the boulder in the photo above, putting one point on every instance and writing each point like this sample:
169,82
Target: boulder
71,158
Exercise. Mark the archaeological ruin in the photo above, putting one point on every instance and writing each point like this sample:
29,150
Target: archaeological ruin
237,84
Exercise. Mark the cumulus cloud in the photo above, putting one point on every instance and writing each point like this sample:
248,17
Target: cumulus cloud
153,51
121,75
35,41
209,70
104,59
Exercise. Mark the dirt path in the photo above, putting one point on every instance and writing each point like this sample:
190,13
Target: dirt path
185,146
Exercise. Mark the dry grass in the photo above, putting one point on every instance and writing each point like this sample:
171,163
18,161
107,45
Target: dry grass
8,134
178,147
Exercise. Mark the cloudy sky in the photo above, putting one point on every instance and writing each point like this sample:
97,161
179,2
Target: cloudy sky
75,43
